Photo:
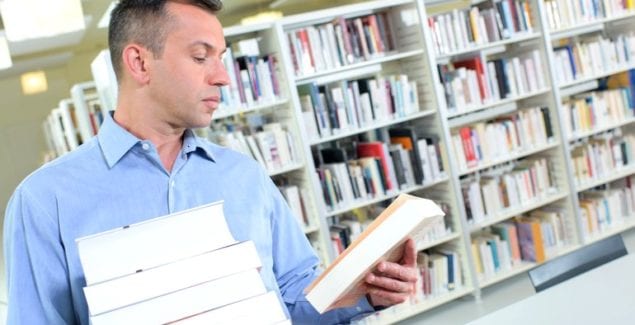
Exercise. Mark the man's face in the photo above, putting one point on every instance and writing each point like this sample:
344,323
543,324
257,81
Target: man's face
185,80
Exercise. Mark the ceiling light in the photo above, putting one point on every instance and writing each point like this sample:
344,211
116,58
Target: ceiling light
33,82
5,56
28,19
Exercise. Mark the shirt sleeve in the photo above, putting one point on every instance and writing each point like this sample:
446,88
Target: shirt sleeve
296,265
37,273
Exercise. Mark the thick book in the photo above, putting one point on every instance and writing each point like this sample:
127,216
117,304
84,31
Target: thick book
342,283
263,309
120,292
190,301
137,247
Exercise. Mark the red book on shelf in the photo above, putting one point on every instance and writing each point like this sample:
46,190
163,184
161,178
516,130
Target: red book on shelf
477,65
468,147
377,149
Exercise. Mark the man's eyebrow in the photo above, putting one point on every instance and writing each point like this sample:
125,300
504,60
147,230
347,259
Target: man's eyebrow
208,46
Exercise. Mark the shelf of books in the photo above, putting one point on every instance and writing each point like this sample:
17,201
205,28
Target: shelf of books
74,121
607,210
568,18
368,109
506,144
592,50
256,117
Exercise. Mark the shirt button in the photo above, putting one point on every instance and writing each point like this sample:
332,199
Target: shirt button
172,183
145,146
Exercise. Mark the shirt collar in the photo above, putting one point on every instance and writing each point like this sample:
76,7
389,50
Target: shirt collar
115,141
191,143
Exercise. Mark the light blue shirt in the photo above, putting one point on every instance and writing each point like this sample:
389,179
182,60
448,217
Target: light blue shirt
116,179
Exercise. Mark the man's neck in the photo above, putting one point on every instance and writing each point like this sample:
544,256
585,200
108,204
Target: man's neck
167,139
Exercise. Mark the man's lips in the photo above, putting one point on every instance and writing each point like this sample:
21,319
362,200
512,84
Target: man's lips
212,101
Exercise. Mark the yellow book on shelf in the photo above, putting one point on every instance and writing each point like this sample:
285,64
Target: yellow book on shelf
477,258
342,283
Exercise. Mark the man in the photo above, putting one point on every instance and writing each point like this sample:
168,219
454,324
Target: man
146,162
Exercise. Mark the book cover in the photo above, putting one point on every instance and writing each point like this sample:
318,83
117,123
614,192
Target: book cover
120,292
147,244
187,302
263,309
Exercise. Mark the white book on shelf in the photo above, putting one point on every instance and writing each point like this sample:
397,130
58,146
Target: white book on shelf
326,47
68,121
282,145
184,273
263,309
425,161
80,95
189,301
55,122
269,149
434,161
291,194
332,45
264,81
154,242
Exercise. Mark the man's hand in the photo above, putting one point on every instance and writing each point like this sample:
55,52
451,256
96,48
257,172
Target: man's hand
393,283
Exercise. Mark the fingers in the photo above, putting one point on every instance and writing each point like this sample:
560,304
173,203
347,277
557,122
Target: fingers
381,297
389,284
410,253
396,271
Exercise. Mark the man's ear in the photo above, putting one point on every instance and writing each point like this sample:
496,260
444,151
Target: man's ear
135,62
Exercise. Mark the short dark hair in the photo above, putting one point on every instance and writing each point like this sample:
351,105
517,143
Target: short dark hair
145,22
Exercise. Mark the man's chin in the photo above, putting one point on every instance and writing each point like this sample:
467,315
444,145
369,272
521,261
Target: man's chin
202,122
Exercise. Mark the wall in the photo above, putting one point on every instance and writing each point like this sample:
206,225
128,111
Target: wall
21,137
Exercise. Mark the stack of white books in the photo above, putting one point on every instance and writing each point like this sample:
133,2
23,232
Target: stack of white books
183,268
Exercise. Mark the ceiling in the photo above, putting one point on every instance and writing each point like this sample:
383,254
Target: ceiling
57,51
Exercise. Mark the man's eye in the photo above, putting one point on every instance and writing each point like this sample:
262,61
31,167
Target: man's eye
199,59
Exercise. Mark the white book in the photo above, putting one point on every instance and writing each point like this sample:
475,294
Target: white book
292,195
263,309
342,282
255,150
434,161
246,84
154,242
120,292
187,302
266,141
332,45
326,47
425,161
55,121
282,145
70,129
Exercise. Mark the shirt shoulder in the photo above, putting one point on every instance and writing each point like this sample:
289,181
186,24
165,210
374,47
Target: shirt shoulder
57,172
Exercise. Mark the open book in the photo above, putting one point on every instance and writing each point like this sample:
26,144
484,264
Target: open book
342,283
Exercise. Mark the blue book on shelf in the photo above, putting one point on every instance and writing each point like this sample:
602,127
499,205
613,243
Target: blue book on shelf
492,245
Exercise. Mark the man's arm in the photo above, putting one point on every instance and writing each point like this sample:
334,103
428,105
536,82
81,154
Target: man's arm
37,281
295,267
